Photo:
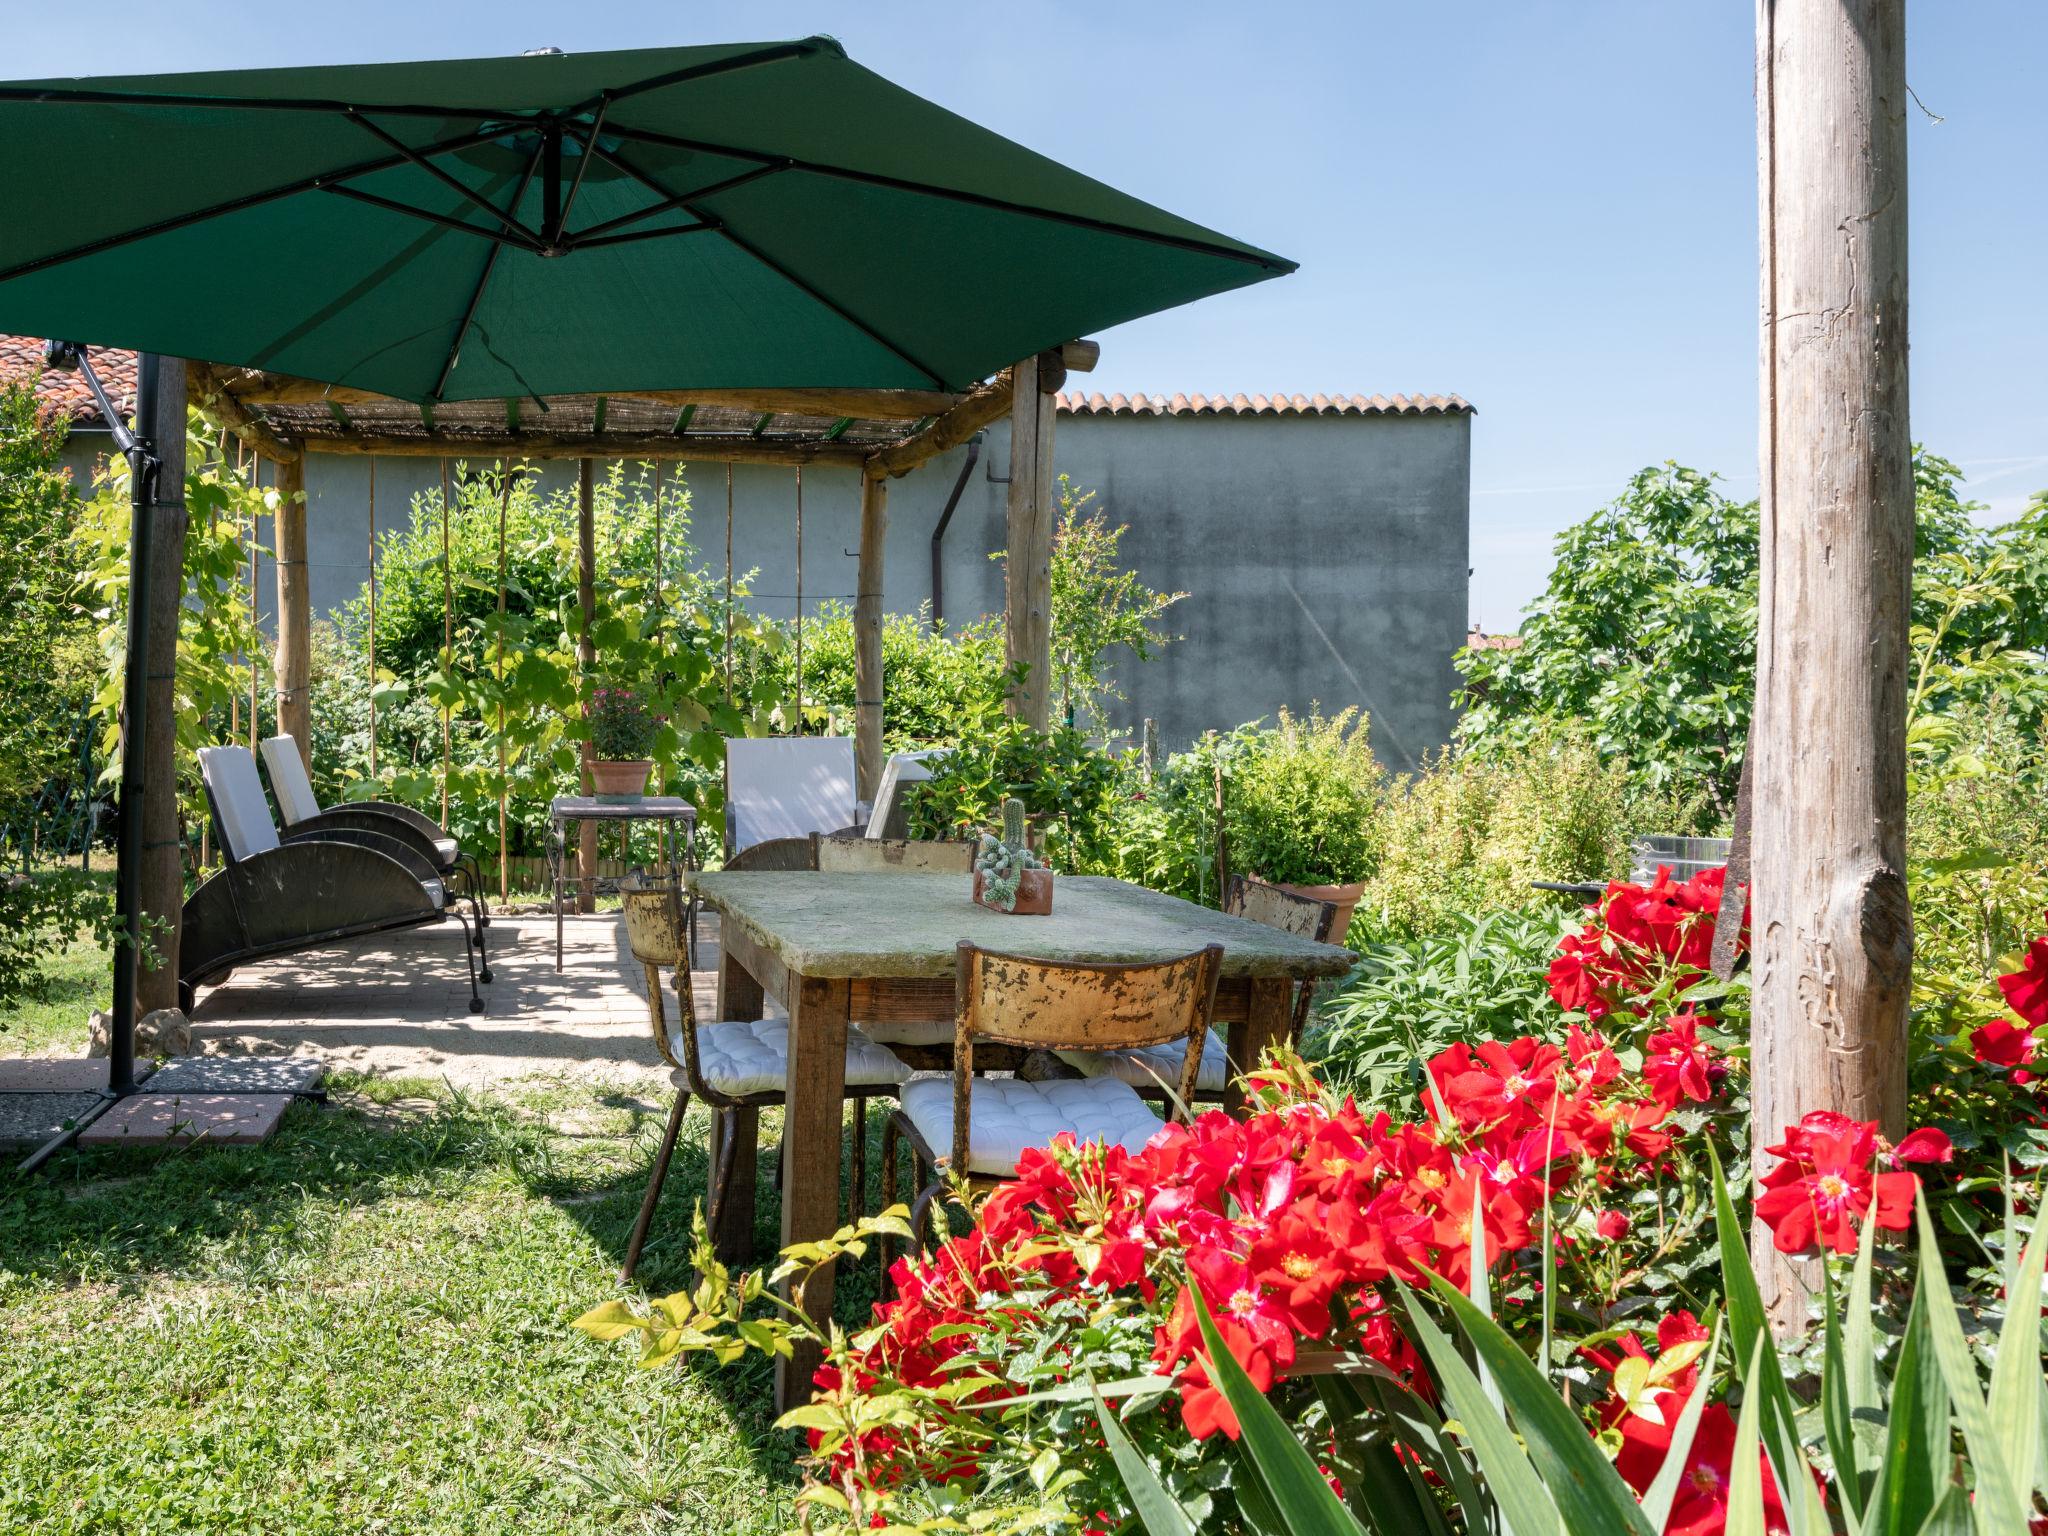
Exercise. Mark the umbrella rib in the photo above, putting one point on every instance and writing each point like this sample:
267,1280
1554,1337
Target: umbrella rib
582,165
494,236
232,205
447,180
69,97
632,235
483,279
937,379
770,55
583,236
960,195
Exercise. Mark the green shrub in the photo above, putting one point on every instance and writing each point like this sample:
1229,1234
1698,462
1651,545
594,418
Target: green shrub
1480,978
1472,832
934,680
1302,800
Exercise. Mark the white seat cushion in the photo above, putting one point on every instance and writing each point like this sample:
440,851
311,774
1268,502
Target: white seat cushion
288,781
742,1058
437,893
445,849
908,1031
244,815
1137,1065
1010,1115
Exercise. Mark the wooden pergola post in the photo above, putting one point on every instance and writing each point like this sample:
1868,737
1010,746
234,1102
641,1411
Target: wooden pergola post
1027,569
293,666
867,638
586,663
1832,925
162,894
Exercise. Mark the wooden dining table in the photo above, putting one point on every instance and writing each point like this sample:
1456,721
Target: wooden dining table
833,948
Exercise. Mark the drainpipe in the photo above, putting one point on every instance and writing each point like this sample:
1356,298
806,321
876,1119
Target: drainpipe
939,532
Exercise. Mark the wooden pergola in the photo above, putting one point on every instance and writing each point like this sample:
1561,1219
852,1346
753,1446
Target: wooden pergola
883,434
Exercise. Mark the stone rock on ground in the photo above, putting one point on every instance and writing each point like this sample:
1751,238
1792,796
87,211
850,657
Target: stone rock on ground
166,1032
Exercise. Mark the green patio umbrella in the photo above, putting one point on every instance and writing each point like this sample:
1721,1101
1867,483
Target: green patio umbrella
746,215
767,215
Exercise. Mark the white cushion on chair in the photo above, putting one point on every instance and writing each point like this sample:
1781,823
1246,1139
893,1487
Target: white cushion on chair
245,823
1010,1115
445,849
908,1031
787,787
437,893
1137,1064
740,1058
294,791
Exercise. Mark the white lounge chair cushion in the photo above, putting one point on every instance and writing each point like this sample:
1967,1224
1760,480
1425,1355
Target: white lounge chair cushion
437,893
788,787
747,1057
296,801
245,823
1009,1115
909,1031
445,849
1138,1064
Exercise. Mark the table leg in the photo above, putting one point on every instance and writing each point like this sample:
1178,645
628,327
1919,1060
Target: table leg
818,1010
1267,1023
555,884
739,997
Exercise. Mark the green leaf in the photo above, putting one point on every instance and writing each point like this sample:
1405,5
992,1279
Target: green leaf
1998,1507
1526,1507
1158,1510
1300,1495
1916,1436
1589,1493
1746,1468
1663,1488
2015,1400
1952,1516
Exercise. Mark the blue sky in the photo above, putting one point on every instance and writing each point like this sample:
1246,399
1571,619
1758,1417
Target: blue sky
1548,208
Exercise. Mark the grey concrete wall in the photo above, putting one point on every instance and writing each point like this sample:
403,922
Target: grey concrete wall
1326,558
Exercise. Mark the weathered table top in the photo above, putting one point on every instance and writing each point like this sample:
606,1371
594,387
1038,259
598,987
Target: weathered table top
622,808
891,924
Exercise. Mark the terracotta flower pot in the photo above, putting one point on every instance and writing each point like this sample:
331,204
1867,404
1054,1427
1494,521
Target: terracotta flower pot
619,778
1345,898
1034,894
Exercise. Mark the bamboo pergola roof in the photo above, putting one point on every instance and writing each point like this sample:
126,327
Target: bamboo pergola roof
880,432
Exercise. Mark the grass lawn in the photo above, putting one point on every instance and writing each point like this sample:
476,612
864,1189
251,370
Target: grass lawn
363,1327
80,979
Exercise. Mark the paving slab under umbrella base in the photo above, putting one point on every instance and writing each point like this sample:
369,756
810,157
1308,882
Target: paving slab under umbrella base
56,1074
161,1119
240,1074
27,1120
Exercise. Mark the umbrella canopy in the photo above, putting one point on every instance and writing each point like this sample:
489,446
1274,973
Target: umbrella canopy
746,215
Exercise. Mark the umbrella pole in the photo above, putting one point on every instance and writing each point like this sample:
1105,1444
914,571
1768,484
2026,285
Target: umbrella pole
504,505
447,644
373,616
728,583
799,599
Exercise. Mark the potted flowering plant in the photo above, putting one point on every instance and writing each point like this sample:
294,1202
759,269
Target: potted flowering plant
621,737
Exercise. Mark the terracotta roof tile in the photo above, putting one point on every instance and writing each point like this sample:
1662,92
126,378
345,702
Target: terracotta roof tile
22,356
1075,403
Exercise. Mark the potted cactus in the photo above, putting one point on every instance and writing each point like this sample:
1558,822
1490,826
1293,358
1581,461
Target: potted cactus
1007,874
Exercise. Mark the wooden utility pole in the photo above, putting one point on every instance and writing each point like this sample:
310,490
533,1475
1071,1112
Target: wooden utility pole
294,610
1833,930
867,638
163,864
586,665
1027,568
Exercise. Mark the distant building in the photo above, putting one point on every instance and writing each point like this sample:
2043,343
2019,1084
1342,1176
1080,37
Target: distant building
1324,541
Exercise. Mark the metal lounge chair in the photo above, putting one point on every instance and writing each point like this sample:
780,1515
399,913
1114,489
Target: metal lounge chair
301,810
284,895
740,1067
979,1126
1148,1069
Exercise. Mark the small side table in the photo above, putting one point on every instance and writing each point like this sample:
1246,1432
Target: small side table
678,812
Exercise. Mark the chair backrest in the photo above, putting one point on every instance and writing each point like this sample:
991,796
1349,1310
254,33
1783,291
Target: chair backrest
1071,1005
891,816
1302,916
893,855
296,801
786,786
236,795
778,853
